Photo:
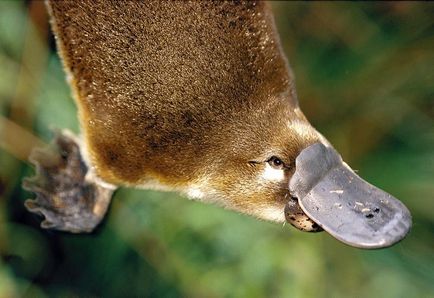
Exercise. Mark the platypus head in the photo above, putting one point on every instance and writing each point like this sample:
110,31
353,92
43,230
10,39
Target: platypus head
277,167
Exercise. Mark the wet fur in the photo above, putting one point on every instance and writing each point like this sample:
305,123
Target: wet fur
183,95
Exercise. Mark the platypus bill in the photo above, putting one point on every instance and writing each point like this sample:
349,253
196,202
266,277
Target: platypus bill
196,97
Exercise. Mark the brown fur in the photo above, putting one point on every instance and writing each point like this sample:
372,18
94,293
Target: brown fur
178,92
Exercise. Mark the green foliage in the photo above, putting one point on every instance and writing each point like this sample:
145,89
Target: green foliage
365,80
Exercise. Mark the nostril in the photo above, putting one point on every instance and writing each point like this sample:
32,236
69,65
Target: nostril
369,215
377,210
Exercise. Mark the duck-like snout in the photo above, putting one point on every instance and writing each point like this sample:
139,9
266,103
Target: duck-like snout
346,206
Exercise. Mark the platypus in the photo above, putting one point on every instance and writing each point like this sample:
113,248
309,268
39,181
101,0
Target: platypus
196,97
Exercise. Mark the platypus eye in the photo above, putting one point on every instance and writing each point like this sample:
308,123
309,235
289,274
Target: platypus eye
276,163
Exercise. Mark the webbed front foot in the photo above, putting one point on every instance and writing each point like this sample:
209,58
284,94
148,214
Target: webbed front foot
68,195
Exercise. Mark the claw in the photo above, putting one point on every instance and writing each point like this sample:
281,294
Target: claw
67,194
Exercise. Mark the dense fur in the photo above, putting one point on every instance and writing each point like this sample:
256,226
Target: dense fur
184,96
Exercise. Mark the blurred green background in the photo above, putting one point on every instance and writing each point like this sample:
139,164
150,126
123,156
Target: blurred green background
365,80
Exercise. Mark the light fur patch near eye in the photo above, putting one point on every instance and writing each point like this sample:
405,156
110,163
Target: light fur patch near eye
272,174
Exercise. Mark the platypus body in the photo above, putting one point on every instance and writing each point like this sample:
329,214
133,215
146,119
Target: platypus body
198,97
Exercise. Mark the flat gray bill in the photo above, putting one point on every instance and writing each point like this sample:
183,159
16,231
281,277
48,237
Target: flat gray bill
344,205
